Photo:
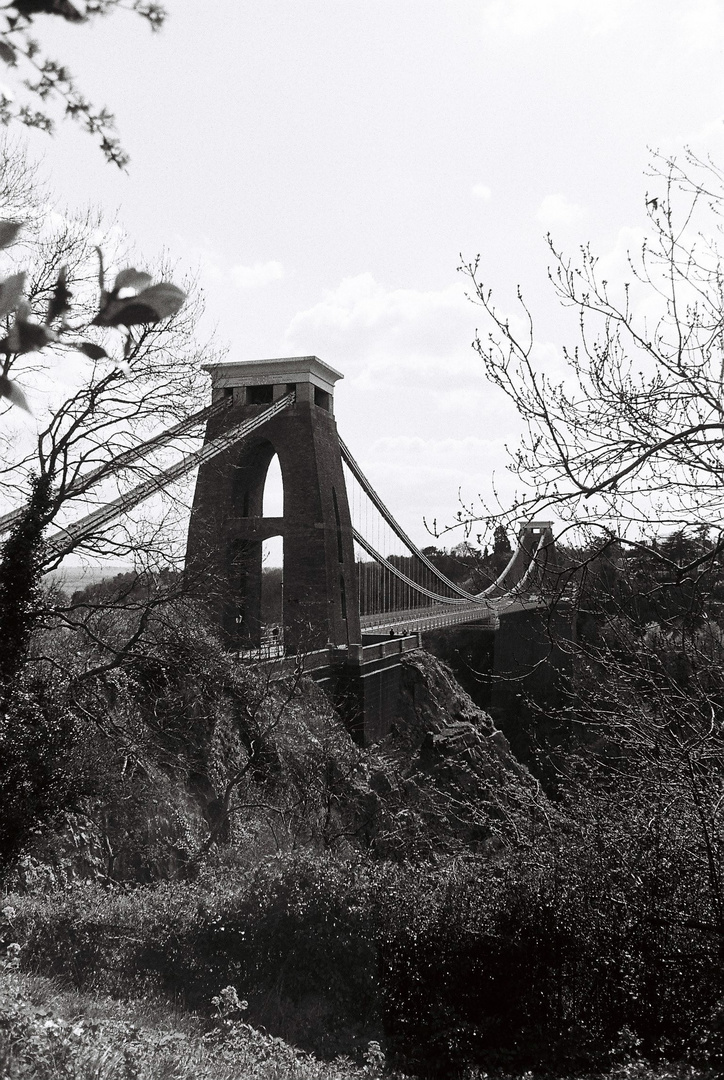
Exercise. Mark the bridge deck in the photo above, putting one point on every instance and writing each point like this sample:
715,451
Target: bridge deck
321,662
434,616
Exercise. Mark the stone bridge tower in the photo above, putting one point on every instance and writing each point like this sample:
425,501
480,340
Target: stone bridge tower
227,528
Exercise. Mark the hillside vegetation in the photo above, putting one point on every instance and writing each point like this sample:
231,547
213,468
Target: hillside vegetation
181,828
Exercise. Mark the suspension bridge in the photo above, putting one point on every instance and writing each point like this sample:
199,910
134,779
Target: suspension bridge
357,591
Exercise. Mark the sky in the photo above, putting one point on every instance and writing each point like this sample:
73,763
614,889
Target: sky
322,167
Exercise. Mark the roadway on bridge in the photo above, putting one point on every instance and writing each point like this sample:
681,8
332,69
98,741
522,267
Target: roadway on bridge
439,615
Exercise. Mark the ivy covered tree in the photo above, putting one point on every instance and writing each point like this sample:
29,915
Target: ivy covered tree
105,355
118,360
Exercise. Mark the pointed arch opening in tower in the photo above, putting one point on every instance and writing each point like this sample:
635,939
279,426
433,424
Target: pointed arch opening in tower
272,561
273,501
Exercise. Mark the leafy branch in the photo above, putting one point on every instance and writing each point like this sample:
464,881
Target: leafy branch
132,301
48,79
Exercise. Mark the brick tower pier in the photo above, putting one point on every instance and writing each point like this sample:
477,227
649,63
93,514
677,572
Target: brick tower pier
227,528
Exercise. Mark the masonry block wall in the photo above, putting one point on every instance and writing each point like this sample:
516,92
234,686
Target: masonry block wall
227,528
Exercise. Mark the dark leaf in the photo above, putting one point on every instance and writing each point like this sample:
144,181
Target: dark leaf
34,336
64,8
126,312
13,393
130,278
165,298
60,301
8,232
7,53
11,291
95,352
26,336
149,306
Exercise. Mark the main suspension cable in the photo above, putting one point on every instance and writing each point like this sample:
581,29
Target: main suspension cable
126,458
69,537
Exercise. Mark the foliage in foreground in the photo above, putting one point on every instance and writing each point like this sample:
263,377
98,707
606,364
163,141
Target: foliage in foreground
553,958
522,934
50,80
47,1033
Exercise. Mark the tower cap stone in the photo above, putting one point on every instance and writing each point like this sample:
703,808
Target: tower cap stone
283,369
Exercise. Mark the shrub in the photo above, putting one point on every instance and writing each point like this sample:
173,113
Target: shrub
550,957
293,937
43,765
546,960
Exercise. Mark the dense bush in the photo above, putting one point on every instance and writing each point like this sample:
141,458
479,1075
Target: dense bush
549,958
541,964
44,764
293,937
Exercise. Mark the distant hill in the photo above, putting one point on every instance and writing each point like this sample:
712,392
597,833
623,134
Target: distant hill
71,578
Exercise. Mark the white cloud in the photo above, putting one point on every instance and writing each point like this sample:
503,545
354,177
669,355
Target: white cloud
708,131
251,277
424,479
482,191
695,25
407,341
414,395
614,265
557,210
363,319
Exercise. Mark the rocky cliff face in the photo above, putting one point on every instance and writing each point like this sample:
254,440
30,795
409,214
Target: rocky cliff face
434,706
443,781
445,778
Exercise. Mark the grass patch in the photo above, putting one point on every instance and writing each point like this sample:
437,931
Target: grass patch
48,1032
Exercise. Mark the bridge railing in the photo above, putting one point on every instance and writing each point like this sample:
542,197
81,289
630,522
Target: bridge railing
429,618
